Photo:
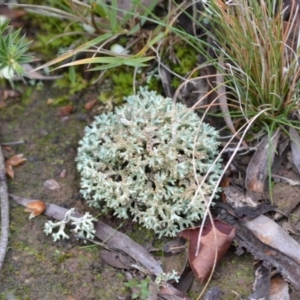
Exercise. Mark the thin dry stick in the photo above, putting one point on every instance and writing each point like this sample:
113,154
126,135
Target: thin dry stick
4,210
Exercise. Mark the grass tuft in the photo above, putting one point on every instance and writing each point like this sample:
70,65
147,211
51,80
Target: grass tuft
258,43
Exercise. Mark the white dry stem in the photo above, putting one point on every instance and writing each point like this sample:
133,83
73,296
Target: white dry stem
4,210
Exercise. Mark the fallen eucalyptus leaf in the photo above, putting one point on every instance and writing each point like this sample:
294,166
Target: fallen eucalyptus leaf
273,235
295,146
270,256
258,168
116,259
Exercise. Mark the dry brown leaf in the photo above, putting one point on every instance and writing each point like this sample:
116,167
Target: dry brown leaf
212,239
66,110
35,208
90,104
13,162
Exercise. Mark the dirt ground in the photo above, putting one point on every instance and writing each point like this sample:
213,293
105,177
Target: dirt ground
37,268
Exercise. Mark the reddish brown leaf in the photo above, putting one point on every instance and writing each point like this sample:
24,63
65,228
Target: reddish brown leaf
66,110
89,105
35,208
212,239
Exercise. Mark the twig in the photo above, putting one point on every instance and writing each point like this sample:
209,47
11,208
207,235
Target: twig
4,210
13,143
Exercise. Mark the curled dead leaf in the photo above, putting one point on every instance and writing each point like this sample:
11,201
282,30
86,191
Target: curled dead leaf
215,241
13,162
35,208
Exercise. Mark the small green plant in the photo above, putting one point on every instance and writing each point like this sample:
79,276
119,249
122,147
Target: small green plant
150,160
13,52
141,288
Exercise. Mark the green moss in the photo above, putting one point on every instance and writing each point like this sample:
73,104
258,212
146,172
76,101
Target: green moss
61,257
186,61
69,88
123,84
186,56
233,273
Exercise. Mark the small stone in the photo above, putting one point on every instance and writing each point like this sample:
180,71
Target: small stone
51,184
63,173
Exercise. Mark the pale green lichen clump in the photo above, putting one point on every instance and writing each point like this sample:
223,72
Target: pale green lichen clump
139,162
